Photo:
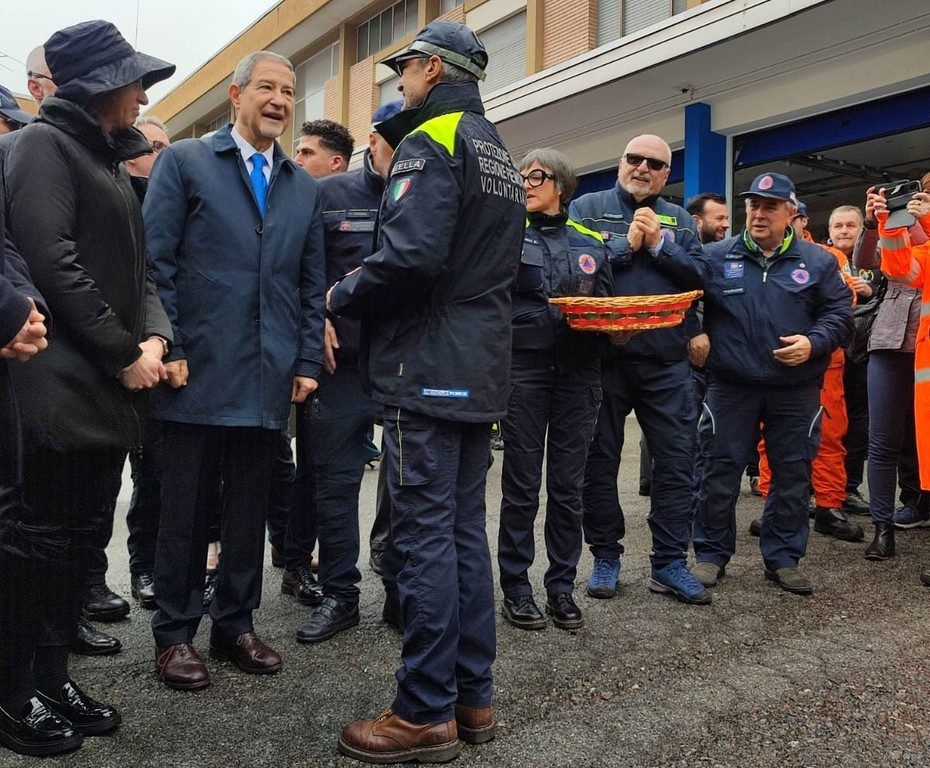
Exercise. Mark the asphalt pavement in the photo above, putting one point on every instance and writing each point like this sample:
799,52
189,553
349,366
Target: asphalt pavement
760,678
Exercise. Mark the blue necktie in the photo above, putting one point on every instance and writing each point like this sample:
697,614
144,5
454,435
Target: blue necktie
259,182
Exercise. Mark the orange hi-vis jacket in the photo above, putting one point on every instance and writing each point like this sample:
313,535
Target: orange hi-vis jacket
906,263
828,469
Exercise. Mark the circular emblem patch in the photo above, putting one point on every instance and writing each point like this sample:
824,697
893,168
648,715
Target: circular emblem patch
801,276
766,182
587,263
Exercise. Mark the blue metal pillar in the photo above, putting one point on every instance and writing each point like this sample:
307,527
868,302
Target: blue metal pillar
705,153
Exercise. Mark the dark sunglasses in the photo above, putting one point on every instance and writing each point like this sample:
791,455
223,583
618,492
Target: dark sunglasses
637,160
537,178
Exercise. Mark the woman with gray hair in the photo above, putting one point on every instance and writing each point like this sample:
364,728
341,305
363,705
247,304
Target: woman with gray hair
555,393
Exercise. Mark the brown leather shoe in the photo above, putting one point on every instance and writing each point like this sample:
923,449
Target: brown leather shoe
179,666
391,739
247,651
475,724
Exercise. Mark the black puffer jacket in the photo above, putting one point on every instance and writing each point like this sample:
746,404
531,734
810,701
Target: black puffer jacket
78,225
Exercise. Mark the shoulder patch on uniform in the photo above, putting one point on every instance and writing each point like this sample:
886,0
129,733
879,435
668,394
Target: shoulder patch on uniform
404,166
587,263
400,188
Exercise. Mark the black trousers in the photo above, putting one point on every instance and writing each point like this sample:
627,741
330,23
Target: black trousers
69,498
194,455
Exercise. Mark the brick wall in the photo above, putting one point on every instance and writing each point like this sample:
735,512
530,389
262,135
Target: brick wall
363,98
569,29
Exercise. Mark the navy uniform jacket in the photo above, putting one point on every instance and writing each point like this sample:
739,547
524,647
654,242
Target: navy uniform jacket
560,258
751,301
434,298
245,296
672,270
350,204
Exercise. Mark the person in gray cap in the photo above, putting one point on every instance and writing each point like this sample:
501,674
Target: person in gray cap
775,308
78,225
12,118
434,303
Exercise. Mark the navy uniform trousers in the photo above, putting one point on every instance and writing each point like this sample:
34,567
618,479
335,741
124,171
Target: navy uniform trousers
550,412
437,474
663,397
335,423
195,455
791,427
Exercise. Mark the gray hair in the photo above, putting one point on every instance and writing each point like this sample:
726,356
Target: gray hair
140,121
846,209
560,167
243,74
454,74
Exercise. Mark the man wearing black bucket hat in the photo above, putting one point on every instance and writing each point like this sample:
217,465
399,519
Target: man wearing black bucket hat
775,308
434,303
81,401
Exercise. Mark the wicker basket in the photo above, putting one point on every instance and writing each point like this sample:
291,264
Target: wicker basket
626,313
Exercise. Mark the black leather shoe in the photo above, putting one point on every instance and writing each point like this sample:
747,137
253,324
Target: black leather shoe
89,641
390,612
882,546
755,527
565,614
855,504
88,716
209,588
830,521
277,559
522,612
328,618
37,731
376,561
103,604
302,584
142,587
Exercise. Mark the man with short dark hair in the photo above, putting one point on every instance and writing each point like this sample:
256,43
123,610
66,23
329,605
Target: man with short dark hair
710,214
332,427
325,147
235,242
434,304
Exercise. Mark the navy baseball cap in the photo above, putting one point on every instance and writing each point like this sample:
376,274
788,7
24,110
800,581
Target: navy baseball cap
9,108
802,209
773,185
386,112
450,41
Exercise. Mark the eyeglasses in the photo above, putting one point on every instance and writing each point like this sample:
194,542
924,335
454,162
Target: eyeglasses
158,146
537,178
401,64
637,160
38,76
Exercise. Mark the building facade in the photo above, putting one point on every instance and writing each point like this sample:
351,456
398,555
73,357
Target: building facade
835,93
